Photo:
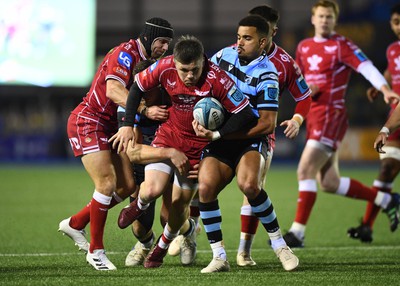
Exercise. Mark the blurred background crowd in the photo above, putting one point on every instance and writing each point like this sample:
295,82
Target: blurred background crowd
49,51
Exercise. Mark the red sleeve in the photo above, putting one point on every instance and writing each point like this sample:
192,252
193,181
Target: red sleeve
303,107
149,78
351,55
227,93
120,65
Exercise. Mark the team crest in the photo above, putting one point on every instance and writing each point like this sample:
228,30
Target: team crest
314,61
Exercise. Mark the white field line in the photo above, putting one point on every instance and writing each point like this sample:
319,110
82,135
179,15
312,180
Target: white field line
338,248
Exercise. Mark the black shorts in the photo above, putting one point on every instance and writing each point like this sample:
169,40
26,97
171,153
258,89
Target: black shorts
231,151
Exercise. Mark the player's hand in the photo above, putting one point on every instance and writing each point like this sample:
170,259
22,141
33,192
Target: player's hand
380,141
372,94
292,129
201,131
390,96
157,112
194,173
120,140
180,161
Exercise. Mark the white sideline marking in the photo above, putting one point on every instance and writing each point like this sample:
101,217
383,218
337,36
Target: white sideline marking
363,248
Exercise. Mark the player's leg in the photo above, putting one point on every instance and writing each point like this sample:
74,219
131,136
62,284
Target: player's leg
314,156
352,188
157,176
388,171
213,177
143,231
179,242
101,169
248,227
250,173
182,193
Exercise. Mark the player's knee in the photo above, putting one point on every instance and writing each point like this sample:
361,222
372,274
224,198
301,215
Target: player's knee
106,186
250,189
207,192
150,192
329,186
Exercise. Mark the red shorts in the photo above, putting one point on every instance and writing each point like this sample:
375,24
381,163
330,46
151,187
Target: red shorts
190,145
86,135
327,125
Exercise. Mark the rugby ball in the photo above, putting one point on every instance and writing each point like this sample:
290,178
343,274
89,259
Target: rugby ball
209,112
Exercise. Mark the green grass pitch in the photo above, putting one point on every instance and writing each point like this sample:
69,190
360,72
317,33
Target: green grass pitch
35,199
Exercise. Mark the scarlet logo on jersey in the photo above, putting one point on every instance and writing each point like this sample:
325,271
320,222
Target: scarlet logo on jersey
171,84
305,49
314,60
317,132
330,49
88,140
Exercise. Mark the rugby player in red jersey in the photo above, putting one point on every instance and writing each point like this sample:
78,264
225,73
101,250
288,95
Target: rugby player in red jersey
89,128
390,158
187,76
327,60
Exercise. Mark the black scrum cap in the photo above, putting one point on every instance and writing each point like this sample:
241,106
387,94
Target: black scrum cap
155,28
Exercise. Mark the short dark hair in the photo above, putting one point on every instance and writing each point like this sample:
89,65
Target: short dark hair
267,12
188,49
395,9
256,21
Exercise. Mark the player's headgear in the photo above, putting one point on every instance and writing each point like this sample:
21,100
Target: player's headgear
155,28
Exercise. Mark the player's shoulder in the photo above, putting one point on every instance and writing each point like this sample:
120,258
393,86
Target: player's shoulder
280,54
394,46
230,51
128,51
342,40
306,41
164,64
166,61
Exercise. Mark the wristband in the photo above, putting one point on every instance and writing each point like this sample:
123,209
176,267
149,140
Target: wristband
215,135
385,130
298,118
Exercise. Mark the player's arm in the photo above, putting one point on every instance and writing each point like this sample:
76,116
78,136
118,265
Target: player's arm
265,125
293,125
145,154
300,91
391,124
372,92
235,123
116,91
372,74
125,134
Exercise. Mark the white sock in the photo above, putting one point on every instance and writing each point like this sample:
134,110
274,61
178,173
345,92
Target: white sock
245,243
298,230
218,250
